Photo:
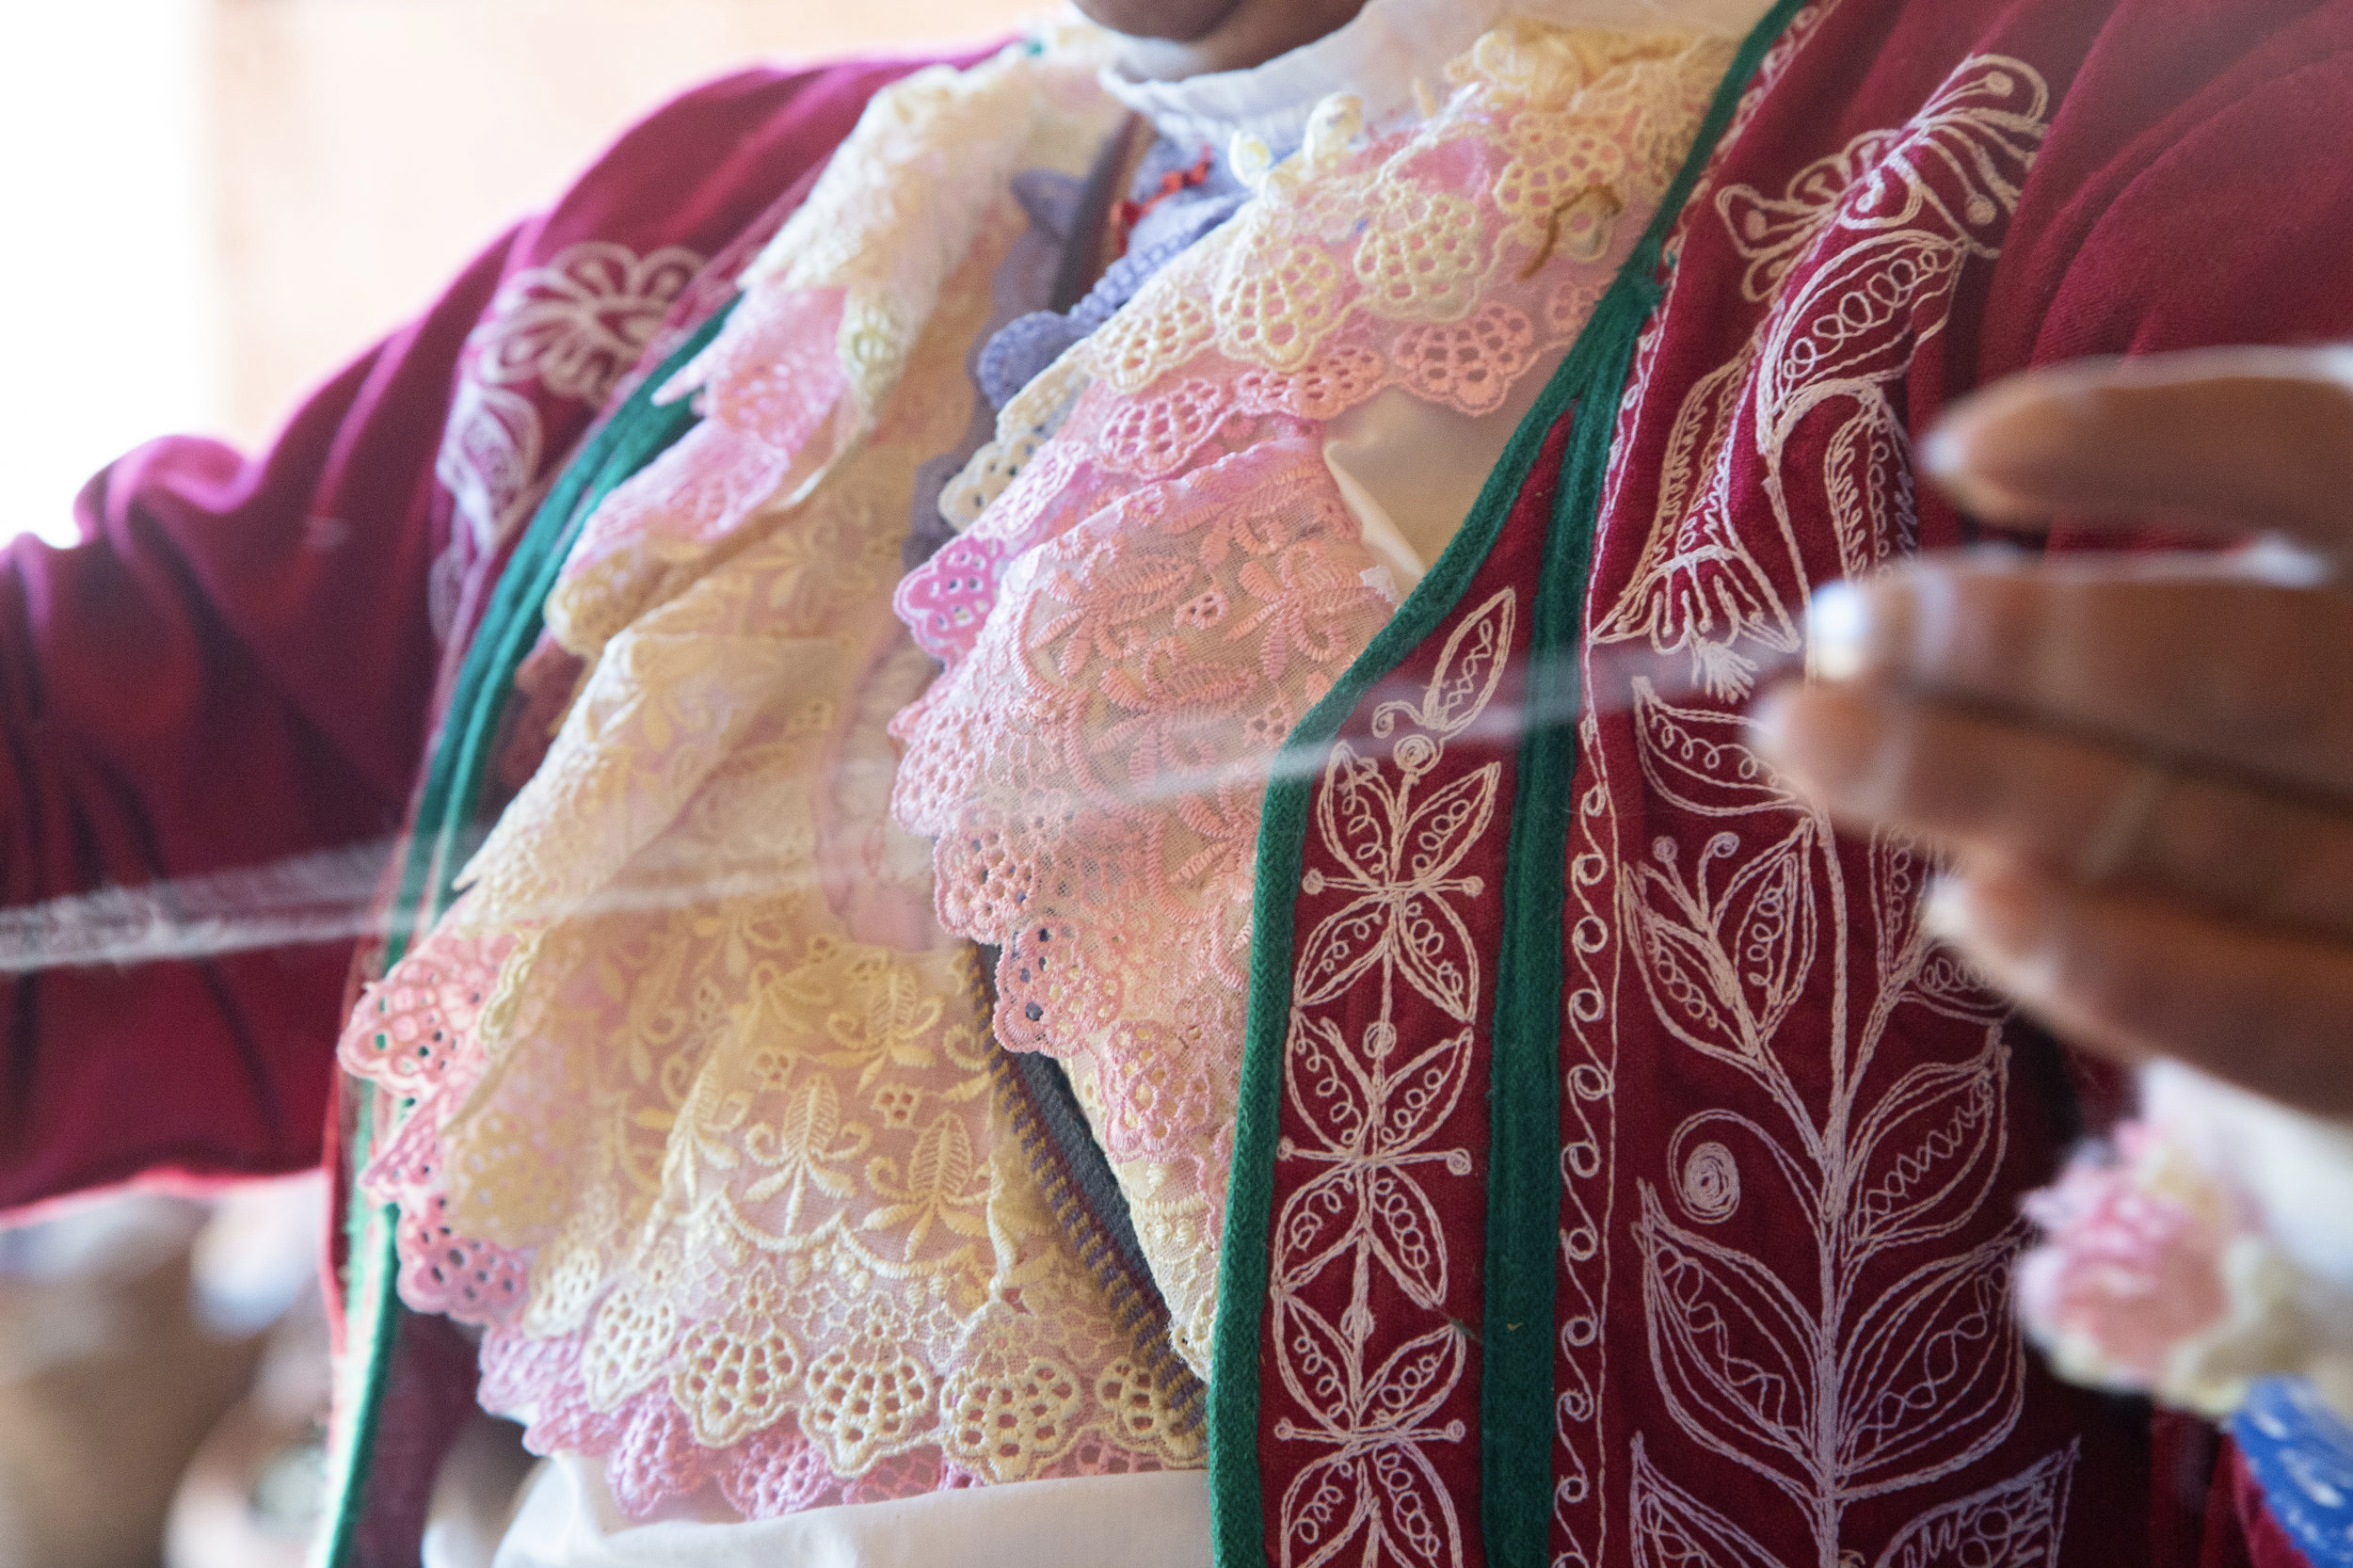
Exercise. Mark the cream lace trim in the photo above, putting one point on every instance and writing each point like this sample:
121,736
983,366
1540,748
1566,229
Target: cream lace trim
703,1131
832,312
1409,265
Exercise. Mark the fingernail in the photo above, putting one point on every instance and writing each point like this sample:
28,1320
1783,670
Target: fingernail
2006,431
1837,632
1993,923
1945,913
1769,724
1944,456
1996,555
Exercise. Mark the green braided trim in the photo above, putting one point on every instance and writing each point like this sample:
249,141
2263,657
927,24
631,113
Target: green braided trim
1524,1180
447,829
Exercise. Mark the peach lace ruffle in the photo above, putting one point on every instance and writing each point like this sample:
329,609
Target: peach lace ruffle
701,1127
1159,577
831,315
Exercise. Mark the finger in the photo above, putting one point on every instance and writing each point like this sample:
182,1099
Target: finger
1875,759
2223,441
2135,978
2219,671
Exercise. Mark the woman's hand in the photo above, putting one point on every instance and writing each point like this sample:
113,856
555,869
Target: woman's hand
2141,764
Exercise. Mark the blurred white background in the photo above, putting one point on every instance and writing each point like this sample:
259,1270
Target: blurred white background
116,309
212,203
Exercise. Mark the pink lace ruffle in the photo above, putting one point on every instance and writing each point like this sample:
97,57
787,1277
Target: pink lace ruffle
654,1458
1169,579
770,385
1092,774
652,1452
2126,1265
2180,1259
416,1034
1443,262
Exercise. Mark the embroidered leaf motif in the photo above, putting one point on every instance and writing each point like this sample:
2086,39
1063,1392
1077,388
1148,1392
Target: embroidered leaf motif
808,1146
1317,1365
1470,668
1418,1098
1356,815
1408,1236
1702,761
1930,1150
1726,967
1329,1088
1674,1529
1942,1343
1318,1223
939,1186
1402,918
1734,1350
1362,1104
1384,1504
1369,1200
2015,1524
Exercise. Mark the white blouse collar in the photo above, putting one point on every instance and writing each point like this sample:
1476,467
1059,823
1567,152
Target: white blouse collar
1378,58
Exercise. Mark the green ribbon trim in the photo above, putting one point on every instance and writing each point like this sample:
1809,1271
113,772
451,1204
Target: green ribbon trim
1523,1178
448,829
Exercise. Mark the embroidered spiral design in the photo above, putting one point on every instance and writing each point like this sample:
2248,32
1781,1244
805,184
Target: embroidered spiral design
1711,1183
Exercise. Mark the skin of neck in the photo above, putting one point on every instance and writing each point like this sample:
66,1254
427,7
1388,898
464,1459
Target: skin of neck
1168,40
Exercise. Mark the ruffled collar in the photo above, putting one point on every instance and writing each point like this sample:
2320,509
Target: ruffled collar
1380,57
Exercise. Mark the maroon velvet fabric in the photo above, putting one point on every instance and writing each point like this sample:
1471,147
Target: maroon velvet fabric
237,663
1386,1124
1793,1136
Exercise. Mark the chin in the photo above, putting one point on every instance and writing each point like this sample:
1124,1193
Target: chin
1179,21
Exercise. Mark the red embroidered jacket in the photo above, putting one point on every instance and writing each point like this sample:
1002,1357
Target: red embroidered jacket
239,663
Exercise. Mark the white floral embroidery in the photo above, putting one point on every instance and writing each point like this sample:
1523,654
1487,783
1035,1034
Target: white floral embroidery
1370,1106
1589,1103
577,324
574,327
2012,1524
491,459
1596,957
1892,1359
1887,224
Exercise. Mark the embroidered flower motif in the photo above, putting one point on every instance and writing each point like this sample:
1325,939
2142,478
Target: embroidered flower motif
1423,254
576,323
1274,307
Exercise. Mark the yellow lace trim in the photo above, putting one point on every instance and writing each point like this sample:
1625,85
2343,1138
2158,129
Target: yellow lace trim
731,1099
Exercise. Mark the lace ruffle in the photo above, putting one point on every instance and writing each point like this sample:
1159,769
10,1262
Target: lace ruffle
831,315
1160,577
825,1277
702,1130
1444,260
2195,1252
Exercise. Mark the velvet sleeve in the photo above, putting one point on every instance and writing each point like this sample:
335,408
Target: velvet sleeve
2194,193
2194,190
235,666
